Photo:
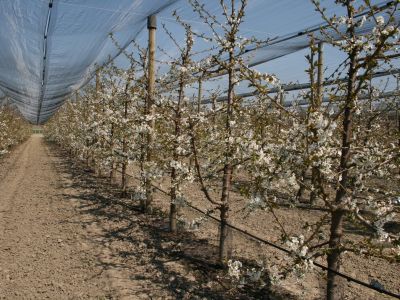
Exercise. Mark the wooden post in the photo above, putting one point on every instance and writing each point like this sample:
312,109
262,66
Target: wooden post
281,102
199,94
317,102
320,73
112,144
86,154
199,97
398,116
152,27
97,168
398,123
369,116
124,150
97,82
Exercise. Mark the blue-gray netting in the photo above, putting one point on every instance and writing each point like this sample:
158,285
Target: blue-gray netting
51,48
39,73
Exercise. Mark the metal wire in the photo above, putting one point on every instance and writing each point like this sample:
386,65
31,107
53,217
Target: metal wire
259,239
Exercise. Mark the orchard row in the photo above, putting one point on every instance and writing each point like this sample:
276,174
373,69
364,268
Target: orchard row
339,152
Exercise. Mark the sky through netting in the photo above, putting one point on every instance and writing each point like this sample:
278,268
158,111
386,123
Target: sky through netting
52,48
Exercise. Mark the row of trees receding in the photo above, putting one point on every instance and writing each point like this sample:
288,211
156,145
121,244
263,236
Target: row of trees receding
13,128
339,152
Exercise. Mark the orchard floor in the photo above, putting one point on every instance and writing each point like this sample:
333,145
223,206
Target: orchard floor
65,234
44,251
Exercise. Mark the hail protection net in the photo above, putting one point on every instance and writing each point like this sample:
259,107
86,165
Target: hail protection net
51,48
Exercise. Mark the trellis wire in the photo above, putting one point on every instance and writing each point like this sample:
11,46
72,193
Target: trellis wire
280,248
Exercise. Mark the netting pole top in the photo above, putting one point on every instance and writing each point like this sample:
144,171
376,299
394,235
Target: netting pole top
152,22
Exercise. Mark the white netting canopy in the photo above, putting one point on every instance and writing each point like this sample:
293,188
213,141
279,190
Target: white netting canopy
51,48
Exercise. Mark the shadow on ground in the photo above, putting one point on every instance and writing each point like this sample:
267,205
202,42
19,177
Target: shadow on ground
153,263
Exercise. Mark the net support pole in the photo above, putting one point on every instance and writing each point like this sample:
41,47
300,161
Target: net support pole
317,102
199,95
152,27
320,72
97,82
398,115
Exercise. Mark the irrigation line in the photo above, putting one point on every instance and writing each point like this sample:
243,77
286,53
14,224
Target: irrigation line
261,240
138,178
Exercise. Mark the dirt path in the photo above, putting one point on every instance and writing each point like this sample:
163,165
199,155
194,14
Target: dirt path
42,254
66,234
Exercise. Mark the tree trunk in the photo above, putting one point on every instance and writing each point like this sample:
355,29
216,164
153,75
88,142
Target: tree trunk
336,232
302,186
227,177
173,212
337,215
224,232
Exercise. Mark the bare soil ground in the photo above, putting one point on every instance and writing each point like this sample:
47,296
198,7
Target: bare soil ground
66,234
262,223
43,252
